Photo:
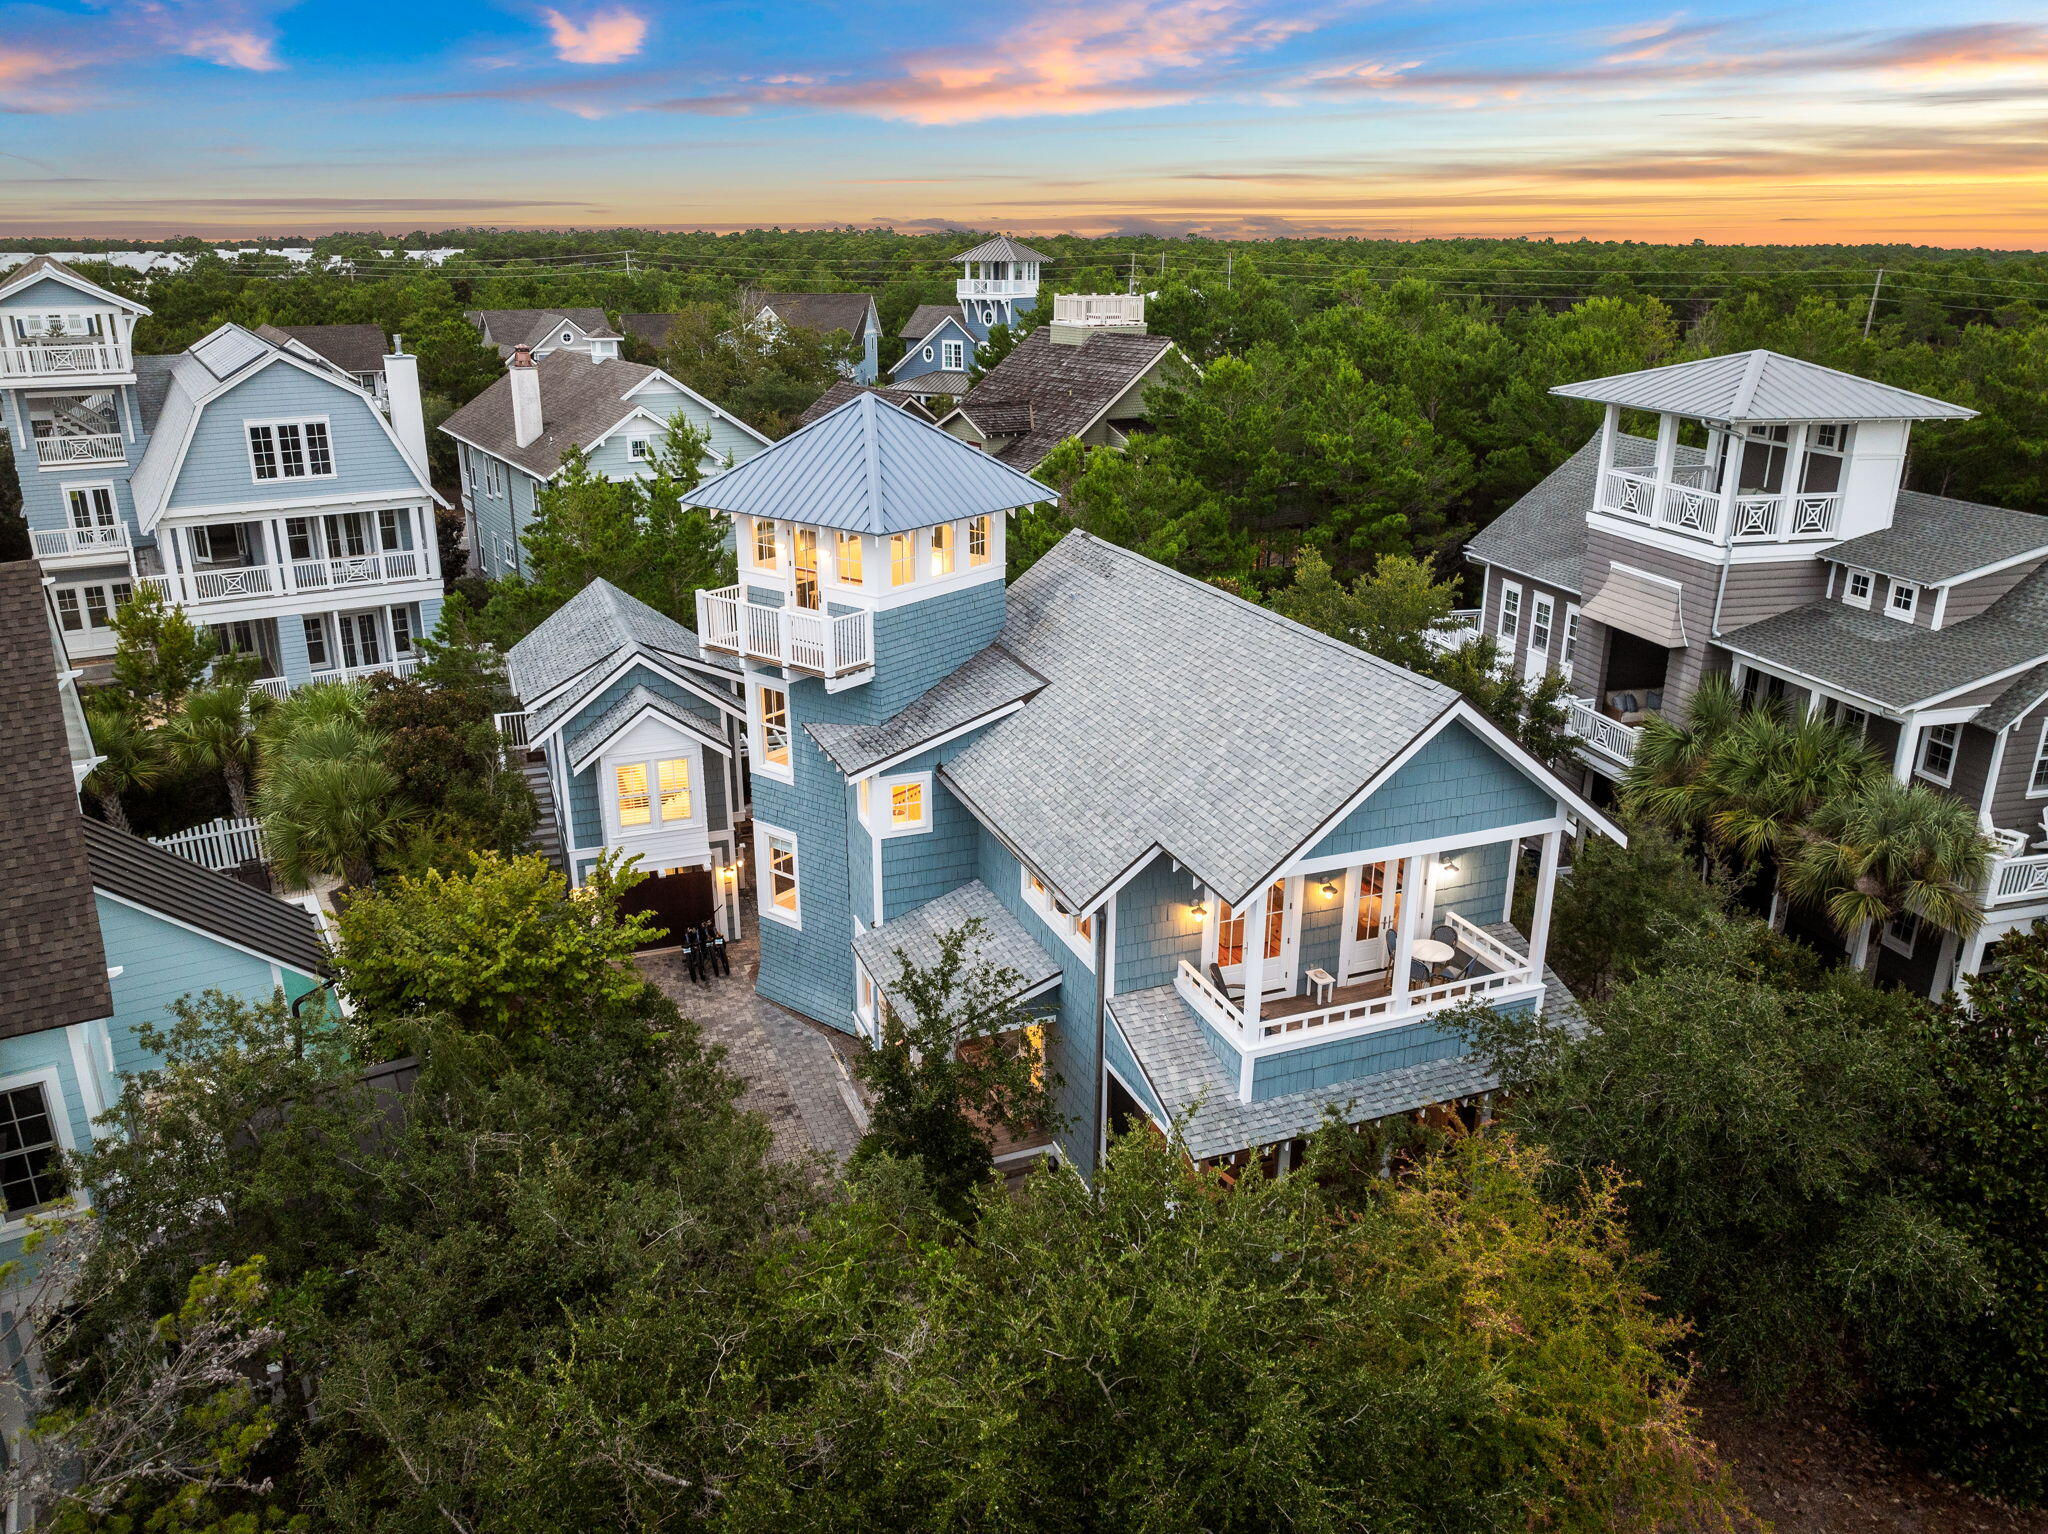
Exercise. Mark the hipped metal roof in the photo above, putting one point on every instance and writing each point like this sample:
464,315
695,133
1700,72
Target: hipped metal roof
868,467
1761,386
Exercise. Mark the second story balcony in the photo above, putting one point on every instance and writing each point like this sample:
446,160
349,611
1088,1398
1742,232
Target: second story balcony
996,287
80,447
1690,502
81,545
62,357
838,648
1606,739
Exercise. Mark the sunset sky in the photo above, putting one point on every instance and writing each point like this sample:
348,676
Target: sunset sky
1728,122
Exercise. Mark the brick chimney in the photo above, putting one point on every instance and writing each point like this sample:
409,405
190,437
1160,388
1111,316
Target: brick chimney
526,424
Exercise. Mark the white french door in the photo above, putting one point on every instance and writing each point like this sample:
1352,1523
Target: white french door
362,639
1367,949
1279,936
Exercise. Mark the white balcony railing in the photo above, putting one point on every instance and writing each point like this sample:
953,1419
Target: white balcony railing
1610,737
46,359
80,542
795,637
278,687
2015,875
356,570
1782,518
1687,504
995,287
1463,630
512,728
107,448
1098,308
1504,970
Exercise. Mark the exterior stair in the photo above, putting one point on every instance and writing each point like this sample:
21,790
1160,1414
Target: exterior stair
547,825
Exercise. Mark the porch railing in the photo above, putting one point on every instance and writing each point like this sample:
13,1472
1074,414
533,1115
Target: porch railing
1506,970
1463,630
36,359
97,448
222,843
795,637
356,570
279,687
1687,503
226,585
1610,737
512,728
2015,875
72,542
1098,309
993,287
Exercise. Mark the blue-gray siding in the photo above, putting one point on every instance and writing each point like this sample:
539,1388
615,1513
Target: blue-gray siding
216,470
1456,785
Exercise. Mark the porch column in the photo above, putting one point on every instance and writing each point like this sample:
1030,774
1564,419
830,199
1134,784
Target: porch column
1971,959
1413,872
1610,426
1539,920
1253,969
1667,446
283,544
1902,758
1507,901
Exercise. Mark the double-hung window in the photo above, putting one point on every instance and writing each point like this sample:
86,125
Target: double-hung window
953,356
1542,615
978,541
774,720
1510,613
2037,780
942,549
1569,651
31,1164
390,531
1938,752
764,543
781,895
290,450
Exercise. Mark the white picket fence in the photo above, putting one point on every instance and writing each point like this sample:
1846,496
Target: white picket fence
222,843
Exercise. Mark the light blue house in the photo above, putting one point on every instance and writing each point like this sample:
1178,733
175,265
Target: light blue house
998,282
1243,868
100,932
638,736
257,482
511,439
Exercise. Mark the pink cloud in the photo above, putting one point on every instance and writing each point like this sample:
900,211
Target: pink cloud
233,50
604,37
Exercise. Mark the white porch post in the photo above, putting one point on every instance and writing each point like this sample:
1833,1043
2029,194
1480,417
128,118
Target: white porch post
1414,871
287,570
1667,447
1902,758
1610,426
1972,959
1507,901
1253,970
1539,921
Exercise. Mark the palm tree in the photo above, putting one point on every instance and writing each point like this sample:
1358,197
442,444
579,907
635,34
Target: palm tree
1767,776
333,815
1889,849
1666,781
216,729
131,754
321,703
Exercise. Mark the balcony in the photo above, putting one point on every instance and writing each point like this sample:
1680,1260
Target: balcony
278,687
92,545
357,570
1098,308
1607,739
1688,504
52,452
797,639
1493,971
2015,876
1463,629
232,583
63,359
995,287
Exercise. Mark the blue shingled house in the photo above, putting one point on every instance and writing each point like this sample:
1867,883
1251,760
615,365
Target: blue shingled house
998,282
100,931
272,482
1243,868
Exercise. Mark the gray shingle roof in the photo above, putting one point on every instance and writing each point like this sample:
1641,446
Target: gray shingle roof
1762,386
926,318
612,720
1543,535
651,328
1002,248
2026,690
589,629
352,348
1166,703
825,312
1002,943
846,389
989,679
1066,387
868,468
53,971
137,870
1934,539
1182,1069
152,384
507,328
580,400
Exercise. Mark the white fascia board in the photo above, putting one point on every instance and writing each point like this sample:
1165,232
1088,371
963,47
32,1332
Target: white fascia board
690,393
24,277
976,723
707,738
624,663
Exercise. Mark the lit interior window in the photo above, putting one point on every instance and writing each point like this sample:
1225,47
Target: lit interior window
635,808
675,788
906,804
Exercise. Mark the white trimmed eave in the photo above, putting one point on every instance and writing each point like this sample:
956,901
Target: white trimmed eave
1889,710
689,393
27,276
707,736
898,758
622,662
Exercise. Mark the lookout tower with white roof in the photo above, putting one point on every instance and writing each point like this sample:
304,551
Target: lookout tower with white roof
998,282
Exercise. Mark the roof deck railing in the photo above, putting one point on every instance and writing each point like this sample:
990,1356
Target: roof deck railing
794,637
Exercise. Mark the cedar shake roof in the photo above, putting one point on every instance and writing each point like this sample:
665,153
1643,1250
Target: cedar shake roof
1065,387
902,398
926,318
580,400
53,968
823,312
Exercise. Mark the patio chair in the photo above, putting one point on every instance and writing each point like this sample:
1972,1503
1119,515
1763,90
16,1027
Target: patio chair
1463,967
1230,992
1420,975
1444,932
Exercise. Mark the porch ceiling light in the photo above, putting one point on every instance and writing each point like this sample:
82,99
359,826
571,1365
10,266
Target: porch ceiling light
1329,889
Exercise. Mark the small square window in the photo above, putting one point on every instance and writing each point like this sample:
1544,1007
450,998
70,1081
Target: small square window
906,805
1858,590
1904,601
639,449
978,540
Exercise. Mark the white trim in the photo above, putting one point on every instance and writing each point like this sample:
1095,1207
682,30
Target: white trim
1849,580
878,818
273,424
625,663
226,942
51,1080
1511,637
1065,925
1955,750
645,712
1893,590
765,836
2033,772
757,727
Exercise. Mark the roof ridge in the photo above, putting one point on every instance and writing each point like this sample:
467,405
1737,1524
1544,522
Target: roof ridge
1752,374
868,406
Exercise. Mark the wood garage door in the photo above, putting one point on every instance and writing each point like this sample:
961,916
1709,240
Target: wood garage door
674,902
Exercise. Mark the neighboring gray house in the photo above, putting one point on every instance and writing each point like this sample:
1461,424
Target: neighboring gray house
512,437
824,313
1779,546
543,331
938,350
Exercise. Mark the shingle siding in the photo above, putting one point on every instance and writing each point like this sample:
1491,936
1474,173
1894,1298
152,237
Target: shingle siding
926,864
1700,580
1456,785
1153,929
1325,1065
1755,592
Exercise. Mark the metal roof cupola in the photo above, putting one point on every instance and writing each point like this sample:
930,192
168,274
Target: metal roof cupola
998,282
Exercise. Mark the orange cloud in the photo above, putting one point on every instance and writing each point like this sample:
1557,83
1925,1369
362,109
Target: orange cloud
605,37
233,50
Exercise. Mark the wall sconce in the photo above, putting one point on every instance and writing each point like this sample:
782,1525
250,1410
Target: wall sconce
1198,911
1448,862
1329,889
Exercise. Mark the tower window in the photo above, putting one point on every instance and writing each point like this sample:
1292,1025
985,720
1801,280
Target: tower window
978,540
902,559
764,543
775,726
849,559
942,549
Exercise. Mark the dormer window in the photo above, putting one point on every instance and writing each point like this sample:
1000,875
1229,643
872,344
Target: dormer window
764,543
849,559
1857,592
1904,601
290,450
953,356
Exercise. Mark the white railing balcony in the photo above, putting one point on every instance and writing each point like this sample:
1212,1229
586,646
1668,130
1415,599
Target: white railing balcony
1499,970
995,287
1784,518
1463,630
1688,503
279,687
59,359
1610,738
219,585
357,570
108,448
1098,308
2015,876
794,637
91,543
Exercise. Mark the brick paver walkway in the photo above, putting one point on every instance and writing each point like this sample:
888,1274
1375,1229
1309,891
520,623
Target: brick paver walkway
795,1070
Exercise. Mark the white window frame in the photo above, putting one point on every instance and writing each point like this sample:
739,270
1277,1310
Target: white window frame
952,356
876,795
1568,650
1954,743
1038,895
1910,592
50,1079
89,489
2036,788
754,526
650,763
640,449
927,354
1509,626
301,421
1542,621
1849,588
765,839
757,734
840,543
1903,947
